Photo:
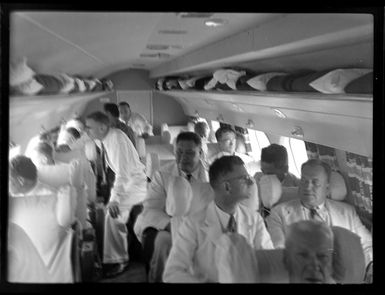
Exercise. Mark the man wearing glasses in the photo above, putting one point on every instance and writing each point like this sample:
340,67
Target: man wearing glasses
192,257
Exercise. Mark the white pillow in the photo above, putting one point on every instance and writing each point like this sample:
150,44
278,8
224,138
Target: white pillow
179,195
19,72
338,189
336,81
270,190
29,87
260,82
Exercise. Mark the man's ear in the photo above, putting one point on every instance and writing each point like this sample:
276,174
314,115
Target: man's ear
227,186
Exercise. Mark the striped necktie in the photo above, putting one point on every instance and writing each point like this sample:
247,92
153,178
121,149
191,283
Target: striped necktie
232,225
314,215
104,163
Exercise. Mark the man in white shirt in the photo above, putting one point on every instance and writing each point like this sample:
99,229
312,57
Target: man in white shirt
192,256
136,121
154,223
129,188
314,204
226,138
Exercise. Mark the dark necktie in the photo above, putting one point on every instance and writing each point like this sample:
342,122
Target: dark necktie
188,177
104,163
232,225
314,215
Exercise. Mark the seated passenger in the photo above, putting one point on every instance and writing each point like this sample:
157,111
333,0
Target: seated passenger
274,160
314,204
112,111
139,124
308,253
154,223
192,256
45,214
226,138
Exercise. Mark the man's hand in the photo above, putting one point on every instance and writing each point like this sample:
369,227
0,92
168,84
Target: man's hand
113,209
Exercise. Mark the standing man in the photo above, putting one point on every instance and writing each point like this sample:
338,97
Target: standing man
314,204
129,188
141,127
153,226
192,256
112,112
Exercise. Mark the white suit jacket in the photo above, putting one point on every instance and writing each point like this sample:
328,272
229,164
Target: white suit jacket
340,214
192,256
154,206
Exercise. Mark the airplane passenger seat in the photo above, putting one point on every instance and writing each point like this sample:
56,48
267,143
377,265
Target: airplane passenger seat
152,164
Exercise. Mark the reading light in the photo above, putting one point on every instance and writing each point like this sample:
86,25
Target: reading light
215,22
250,124
297,131
279,113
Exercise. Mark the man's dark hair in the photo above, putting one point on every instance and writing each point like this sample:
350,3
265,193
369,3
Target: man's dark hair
22,166
222,166
99,117
221,130
45,149
112,108
189,136
318,162
275,154
123,103
73,132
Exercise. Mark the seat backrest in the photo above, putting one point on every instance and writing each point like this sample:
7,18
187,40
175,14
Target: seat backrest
155,139
152,164
212,149
338,190
141,147
166,137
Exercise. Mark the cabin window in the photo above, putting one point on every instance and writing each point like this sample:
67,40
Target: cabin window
297,155
258,140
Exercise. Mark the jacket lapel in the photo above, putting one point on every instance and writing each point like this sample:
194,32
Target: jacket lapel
212,224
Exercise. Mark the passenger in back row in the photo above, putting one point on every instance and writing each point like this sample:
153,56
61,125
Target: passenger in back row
192,256
274,160
129,188
139,124
203,130
153,226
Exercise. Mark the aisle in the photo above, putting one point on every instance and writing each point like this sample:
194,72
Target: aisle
135,273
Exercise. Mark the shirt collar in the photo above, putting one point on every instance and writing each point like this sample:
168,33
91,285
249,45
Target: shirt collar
224,217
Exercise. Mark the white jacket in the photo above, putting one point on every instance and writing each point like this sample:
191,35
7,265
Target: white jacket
192,256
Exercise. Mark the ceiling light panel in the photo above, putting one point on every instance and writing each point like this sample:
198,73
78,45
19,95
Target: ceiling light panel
157,47
172,32
195,14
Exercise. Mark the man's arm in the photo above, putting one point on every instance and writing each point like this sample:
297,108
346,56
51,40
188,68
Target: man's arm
181,258
366,237
275,226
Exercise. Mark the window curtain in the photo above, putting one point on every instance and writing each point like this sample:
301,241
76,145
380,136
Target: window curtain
324,153
361,185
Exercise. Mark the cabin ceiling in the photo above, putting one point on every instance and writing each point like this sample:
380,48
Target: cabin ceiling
99,43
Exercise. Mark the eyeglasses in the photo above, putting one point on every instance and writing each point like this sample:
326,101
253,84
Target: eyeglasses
248,179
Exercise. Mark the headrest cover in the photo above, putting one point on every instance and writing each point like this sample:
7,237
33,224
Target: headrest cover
78,125
338,189
179,195
270,190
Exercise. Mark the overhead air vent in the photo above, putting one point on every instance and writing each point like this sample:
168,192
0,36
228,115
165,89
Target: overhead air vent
172,32
157,47
194,14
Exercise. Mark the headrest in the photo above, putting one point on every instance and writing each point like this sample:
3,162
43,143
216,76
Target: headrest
338,190
179,195
270,190
166,136
65,137
348,259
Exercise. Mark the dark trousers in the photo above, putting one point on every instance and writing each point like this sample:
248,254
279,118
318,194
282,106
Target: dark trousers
148,240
